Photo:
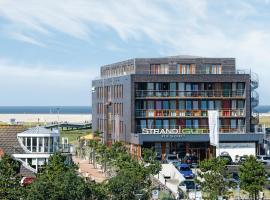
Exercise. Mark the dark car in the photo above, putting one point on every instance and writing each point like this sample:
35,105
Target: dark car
227,158
189,185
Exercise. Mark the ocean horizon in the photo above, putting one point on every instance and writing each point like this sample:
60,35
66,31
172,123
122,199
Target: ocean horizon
70,109
45,109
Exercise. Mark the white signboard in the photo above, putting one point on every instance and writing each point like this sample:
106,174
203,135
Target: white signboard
161,131
213,120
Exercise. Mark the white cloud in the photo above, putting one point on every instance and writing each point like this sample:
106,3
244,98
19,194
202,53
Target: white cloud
198,27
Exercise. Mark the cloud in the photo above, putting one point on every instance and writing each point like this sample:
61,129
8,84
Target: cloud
25,38
198,27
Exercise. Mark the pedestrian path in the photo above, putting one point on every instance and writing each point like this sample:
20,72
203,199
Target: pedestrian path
88,171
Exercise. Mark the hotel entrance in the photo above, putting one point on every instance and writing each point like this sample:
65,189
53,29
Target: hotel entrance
201,150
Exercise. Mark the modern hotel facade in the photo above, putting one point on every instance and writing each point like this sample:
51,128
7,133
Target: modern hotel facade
163,103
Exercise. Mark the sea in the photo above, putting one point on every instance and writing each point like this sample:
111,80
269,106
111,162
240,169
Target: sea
45,109
70,109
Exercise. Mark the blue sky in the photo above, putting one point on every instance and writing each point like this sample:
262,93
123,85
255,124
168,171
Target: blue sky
51,50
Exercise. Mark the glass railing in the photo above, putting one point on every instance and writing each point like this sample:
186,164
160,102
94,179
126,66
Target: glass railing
190,93
200,129
187,113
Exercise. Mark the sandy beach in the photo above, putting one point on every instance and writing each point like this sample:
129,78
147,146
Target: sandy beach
46,118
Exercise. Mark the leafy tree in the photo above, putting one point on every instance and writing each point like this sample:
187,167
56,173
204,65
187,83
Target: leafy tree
252,177
133,176
10,188
58,181
213,178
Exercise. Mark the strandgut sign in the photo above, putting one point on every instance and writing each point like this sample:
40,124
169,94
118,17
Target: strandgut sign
161,131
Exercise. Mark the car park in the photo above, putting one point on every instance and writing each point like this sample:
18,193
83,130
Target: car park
185,170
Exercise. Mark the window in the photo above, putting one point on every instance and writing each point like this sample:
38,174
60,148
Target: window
188,123
172,105
195,105
196,123
158,124
150,123
213,68
166,124
181,105
186,68
188,105
159,69
204,105
233,123
211,105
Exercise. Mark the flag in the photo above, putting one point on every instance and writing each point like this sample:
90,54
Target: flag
213,120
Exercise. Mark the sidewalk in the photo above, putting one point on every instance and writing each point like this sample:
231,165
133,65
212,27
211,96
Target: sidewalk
88,171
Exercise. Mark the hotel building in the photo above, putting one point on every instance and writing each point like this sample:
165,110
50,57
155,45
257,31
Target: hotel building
163,103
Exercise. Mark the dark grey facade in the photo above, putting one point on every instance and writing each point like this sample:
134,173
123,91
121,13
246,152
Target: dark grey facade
208,83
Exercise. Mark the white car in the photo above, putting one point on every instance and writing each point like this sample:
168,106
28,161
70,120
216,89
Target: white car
264,159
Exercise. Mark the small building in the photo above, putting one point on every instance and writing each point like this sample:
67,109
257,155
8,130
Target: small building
32,147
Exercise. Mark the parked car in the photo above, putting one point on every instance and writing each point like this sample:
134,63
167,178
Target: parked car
185,170
264,159
27,181
188,185
227,158
171,158
242,159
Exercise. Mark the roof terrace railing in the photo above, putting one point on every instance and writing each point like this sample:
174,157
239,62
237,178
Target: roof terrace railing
172,72
190,93
156,113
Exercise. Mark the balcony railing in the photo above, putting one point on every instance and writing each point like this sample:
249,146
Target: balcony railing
187,113
191,93
200,129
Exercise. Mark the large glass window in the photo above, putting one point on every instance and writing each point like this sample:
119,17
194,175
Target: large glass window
188,105
181,105
195,105
165,105
181,89
34,144
203,105
218,105
46,144
166,124
186,68
172,104
196,123
28,143
188,123
151,105
172,89
211,105
150,123
233,123
40,145
158,124
158,105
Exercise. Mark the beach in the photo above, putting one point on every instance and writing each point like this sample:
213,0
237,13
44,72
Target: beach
45,118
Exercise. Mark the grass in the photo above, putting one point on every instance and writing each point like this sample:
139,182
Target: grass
74,134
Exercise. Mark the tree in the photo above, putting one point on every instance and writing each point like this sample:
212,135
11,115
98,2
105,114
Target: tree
58,181
133,176
10,188
213,178
252,177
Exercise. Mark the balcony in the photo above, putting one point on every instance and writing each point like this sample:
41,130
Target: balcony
145,113
190,94
201,129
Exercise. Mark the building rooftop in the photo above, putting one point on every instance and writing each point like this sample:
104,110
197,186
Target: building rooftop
38,131
9,143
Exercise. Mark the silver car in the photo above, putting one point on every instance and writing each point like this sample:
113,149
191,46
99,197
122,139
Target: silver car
264,159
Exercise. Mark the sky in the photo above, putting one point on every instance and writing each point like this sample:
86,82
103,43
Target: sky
50,50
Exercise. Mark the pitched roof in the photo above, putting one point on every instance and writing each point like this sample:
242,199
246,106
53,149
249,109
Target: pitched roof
8,138
9,143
